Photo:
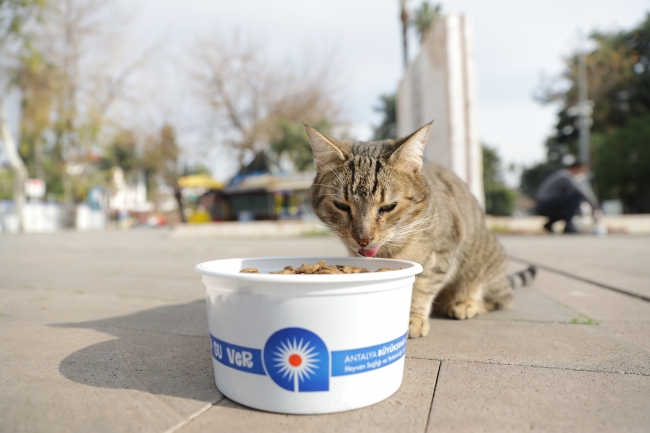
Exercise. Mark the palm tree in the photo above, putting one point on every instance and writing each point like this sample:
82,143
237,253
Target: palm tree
404,16
425,18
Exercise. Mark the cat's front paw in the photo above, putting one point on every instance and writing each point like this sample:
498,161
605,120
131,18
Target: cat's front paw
418,327
462,310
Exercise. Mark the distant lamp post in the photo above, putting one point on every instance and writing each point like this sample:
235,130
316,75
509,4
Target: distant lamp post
584,108
404,16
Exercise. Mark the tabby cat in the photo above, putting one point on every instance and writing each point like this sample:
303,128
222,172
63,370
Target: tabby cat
383,201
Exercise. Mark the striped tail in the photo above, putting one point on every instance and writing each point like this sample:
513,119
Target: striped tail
522,278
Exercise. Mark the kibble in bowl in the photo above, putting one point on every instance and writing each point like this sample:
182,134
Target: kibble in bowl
320,268
307,335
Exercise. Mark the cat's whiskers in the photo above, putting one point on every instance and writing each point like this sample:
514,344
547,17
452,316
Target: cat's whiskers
421,220
406,232
415,239
400,242
414,227
310,212
409,234
403,240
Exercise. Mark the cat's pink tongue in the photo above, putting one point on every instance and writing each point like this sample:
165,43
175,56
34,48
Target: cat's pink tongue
369,252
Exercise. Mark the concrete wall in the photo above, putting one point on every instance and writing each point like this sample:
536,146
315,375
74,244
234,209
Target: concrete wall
43,217
440,85
38,217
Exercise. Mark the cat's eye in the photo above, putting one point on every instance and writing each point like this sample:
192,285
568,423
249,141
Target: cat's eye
342,206
388,207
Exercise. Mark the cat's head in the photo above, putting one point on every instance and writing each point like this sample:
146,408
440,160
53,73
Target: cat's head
371,195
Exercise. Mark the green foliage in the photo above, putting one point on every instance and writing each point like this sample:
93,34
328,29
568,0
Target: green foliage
6,185
13,16
388,126
622,162
197,168
425,18
618,79
123,153
583,320
36,79
499,199
291,140
491,166
161,156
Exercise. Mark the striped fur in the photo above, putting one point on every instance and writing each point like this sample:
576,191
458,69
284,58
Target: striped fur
381,195
522,278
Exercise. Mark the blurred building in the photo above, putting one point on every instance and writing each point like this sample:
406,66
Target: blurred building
260,191
440,85
129,193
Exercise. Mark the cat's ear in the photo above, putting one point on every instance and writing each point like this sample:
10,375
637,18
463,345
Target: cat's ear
326,153
408,155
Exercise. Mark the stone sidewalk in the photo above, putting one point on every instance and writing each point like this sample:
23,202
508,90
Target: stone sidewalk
107,332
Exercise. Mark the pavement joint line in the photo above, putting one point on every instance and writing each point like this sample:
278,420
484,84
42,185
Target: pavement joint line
578,277
195,415
122,328
433,396
550,367
550,322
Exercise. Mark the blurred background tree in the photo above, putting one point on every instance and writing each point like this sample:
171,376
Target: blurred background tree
67,90
388,109
15,19
36,78
123,152
290,143
426,16
618,82
423,20
162,159
499,199
250,97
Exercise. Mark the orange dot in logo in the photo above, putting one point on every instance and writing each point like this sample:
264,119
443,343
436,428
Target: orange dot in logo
295,360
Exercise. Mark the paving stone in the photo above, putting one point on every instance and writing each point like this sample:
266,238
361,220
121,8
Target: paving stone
162,288
406,411
180,319
559,345
592,301
532,306
638,332
627,316
67,380
620,261
472,397
106,331
139,264
53,306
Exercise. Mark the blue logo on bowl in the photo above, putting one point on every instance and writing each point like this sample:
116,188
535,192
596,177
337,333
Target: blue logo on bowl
297,360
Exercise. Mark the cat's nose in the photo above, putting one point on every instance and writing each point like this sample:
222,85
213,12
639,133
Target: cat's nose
363,242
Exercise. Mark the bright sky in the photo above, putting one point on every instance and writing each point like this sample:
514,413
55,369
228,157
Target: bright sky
516,42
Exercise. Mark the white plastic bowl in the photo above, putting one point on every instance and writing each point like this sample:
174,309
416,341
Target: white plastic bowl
308,344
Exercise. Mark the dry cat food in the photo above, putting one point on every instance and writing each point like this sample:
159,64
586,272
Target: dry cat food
319,268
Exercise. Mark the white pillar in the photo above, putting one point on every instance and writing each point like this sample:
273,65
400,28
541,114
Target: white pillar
440,85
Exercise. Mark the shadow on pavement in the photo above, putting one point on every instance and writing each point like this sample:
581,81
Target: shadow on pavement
163,351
